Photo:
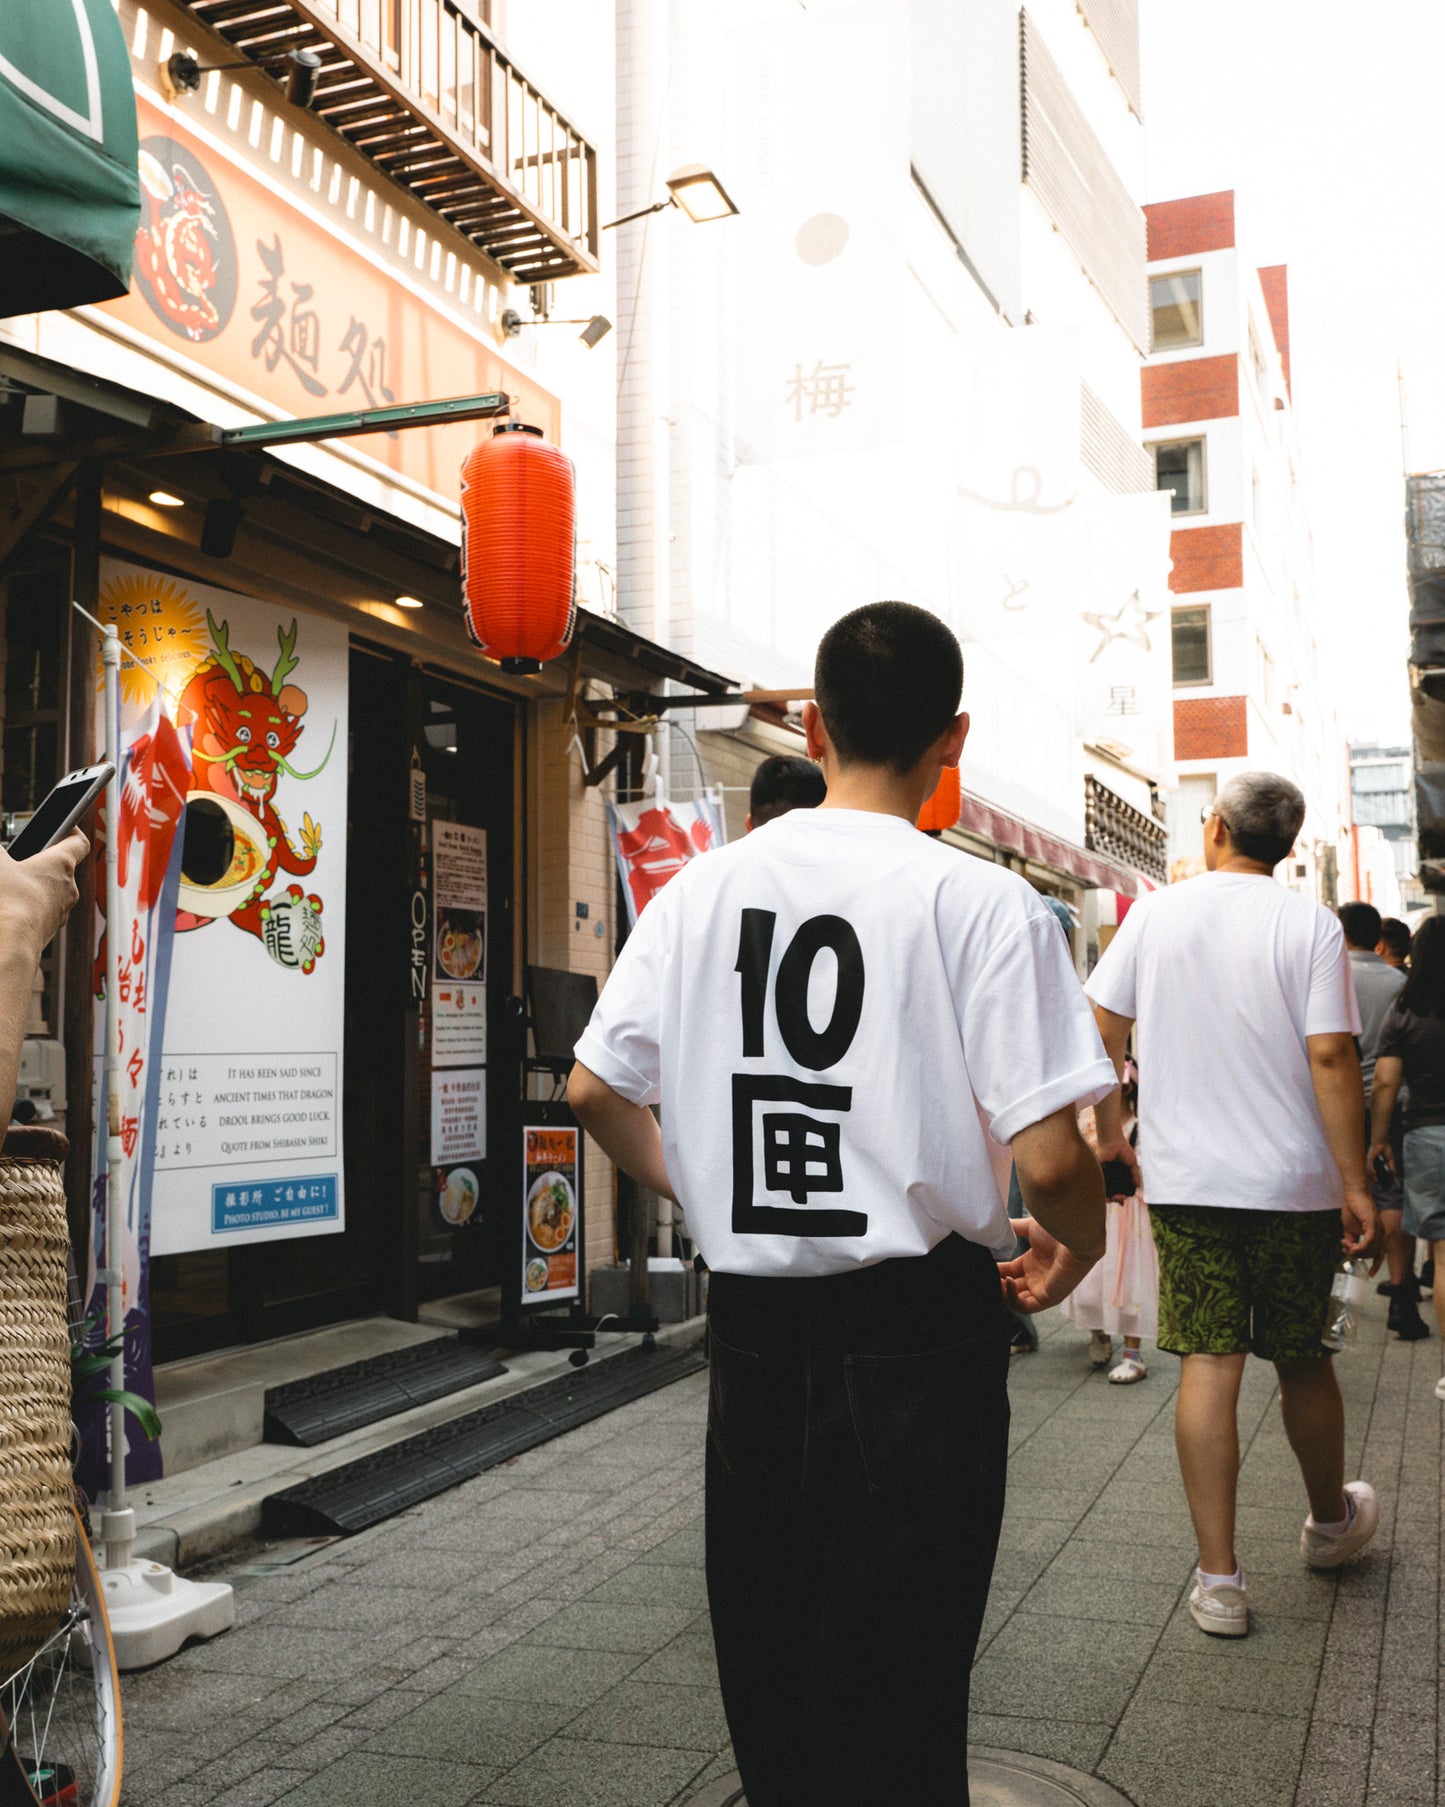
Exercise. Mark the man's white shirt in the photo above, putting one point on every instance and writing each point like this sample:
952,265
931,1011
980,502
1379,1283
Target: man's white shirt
844,1023
1227,975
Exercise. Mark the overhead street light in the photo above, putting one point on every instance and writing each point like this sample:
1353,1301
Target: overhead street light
181,74
509,323
696,190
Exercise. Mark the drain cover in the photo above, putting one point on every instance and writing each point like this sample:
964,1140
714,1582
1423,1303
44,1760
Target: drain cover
1006,1779
995,1779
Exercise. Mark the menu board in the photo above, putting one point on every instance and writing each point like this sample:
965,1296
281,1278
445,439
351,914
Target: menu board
458,1115
459,945
551,1214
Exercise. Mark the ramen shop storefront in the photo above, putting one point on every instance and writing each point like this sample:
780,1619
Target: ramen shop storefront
336,1055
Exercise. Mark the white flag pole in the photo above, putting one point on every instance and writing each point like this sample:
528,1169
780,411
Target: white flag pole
152,1610
118,1521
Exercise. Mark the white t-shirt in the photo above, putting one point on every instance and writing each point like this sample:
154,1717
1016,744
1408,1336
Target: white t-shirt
1226,974
844,1022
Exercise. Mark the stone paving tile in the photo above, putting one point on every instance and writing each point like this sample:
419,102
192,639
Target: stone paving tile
582,1774
653,1584
560,1676
1062,1741
1068,1595
689,1660
469,1727
589,1626
260,1788
660,1714
372,1779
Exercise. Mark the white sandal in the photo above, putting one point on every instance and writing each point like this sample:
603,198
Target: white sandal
1130,1369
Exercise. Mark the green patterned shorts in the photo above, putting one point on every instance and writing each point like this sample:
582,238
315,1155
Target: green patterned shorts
1244,1282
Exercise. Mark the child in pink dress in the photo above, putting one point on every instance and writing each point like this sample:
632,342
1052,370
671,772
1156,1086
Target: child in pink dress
1120,1294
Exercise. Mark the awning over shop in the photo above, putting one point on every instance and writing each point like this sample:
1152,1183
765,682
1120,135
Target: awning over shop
69,188
1012,834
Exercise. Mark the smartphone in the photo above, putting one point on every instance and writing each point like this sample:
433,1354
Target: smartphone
1383,1176
66,805
1119,1181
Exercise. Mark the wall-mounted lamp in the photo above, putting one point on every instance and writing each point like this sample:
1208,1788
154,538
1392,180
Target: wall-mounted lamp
164,499
508,324
181,74
696,190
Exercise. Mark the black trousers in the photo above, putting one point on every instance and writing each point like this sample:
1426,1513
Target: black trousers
857,1443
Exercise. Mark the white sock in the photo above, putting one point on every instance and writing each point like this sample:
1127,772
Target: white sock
1340,1526
1234,1580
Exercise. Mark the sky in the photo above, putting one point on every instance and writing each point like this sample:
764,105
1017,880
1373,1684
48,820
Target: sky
1325,118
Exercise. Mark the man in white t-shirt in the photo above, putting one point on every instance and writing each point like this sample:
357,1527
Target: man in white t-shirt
1251,1147
849,1028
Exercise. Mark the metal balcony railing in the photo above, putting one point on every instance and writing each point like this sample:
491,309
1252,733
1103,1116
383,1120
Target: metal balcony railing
422,89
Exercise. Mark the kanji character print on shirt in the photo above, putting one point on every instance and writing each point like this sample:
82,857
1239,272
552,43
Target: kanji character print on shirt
802,1154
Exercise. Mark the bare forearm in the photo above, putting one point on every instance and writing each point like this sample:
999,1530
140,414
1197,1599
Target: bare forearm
1109,1112
1382,1108
18,960
1069,1203
626,1133
1338,1092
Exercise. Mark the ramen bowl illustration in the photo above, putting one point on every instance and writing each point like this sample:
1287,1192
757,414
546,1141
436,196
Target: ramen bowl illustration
224,856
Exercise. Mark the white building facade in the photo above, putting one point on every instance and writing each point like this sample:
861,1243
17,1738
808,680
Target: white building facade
907,368
1220,425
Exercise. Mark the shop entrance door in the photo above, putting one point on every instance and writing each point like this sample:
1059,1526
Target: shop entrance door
465,1096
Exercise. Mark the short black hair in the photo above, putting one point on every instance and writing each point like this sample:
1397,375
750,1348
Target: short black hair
1395,935
888,681
782,782
1361,923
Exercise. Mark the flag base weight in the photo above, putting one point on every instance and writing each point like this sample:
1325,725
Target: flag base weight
153,1611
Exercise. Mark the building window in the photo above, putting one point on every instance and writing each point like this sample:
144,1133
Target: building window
1179,468
1197,790
1178,318
1192,663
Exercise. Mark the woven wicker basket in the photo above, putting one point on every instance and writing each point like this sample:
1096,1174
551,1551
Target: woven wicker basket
37,1523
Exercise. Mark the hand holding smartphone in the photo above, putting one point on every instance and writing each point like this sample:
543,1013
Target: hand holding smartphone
65,807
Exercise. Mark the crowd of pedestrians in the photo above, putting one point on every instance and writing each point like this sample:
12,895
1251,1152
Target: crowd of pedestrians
866,1068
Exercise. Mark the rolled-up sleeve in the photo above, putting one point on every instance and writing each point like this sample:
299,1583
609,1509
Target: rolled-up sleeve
622,1042
1028,1033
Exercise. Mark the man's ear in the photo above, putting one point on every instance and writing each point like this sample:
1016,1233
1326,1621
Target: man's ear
952,746
814,732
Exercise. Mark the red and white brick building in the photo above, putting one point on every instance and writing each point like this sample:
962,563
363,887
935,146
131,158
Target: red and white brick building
1219,422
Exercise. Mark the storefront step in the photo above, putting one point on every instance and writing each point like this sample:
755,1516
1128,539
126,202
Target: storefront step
214,1406
378,1486
344,1399
193,1515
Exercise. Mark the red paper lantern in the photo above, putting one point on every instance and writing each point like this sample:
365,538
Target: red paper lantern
942,808
518,548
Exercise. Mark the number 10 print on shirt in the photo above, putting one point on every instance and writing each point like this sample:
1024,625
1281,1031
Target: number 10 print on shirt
801,1153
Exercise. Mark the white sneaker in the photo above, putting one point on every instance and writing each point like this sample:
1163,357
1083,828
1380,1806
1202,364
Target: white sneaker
1440,1387
1101,1348
1321,1551
1222,1610
1130,1369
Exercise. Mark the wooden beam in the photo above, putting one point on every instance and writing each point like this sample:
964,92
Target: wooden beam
50,487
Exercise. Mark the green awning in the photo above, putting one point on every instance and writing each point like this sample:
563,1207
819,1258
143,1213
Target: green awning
69,191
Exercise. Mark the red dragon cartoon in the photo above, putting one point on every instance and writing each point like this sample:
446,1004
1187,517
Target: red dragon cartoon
173,249
245,729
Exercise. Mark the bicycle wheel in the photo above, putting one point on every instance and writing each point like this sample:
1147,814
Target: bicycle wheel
63,1738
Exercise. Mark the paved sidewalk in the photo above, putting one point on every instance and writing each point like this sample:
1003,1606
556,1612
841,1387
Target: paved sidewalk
538,1637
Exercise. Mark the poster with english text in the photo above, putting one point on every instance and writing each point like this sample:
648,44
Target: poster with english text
247,1124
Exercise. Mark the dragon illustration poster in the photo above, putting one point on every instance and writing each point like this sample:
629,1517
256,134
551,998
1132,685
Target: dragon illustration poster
247,1131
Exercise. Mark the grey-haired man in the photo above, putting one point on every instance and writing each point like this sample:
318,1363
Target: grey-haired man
1253,1161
